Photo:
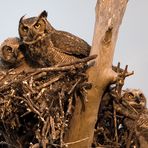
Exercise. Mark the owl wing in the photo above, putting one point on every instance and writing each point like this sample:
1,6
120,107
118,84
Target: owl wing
142,124
70,44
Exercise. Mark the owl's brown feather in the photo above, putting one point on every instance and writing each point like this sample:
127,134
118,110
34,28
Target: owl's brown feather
43,54
70,44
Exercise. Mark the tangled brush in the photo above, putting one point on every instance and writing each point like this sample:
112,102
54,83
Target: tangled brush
36,105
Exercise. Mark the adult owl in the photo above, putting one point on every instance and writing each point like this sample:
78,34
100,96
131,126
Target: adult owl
10,55
43,45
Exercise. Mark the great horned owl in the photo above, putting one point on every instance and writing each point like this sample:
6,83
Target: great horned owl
10,54
139,126
46,46
135,98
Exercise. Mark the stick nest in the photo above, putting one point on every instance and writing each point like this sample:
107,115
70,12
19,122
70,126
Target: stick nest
36,106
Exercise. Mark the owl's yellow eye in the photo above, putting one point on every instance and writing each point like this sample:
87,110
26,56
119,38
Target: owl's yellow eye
7,49
130,96
37,25
141,95
25,29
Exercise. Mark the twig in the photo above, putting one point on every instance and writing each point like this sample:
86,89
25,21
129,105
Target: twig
69,110
50,82
78,141
84,60
45,130
62,67
52,124
115,124
61,96
74,86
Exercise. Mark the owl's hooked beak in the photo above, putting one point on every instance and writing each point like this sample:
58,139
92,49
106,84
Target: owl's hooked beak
139,104
32,37
137,99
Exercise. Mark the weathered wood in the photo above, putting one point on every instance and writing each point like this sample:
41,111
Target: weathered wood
109,14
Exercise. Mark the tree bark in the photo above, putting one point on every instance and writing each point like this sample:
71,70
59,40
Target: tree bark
109,14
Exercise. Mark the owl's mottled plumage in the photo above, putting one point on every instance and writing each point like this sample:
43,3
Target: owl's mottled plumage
10,54
46,46
142,124
137,100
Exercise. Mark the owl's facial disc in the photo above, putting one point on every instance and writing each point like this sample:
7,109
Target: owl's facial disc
8,54
138,103
32,29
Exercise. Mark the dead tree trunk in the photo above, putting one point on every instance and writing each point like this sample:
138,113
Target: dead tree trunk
109,14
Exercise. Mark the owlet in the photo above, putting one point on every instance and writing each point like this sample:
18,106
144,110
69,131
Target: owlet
10,54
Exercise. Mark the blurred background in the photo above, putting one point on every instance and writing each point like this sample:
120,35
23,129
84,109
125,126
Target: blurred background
78,17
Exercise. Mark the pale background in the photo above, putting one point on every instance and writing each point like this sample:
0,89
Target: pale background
77,17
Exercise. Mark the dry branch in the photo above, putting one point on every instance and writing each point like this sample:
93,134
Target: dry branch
109,16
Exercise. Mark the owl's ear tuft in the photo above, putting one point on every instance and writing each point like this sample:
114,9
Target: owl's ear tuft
43,14
22,18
